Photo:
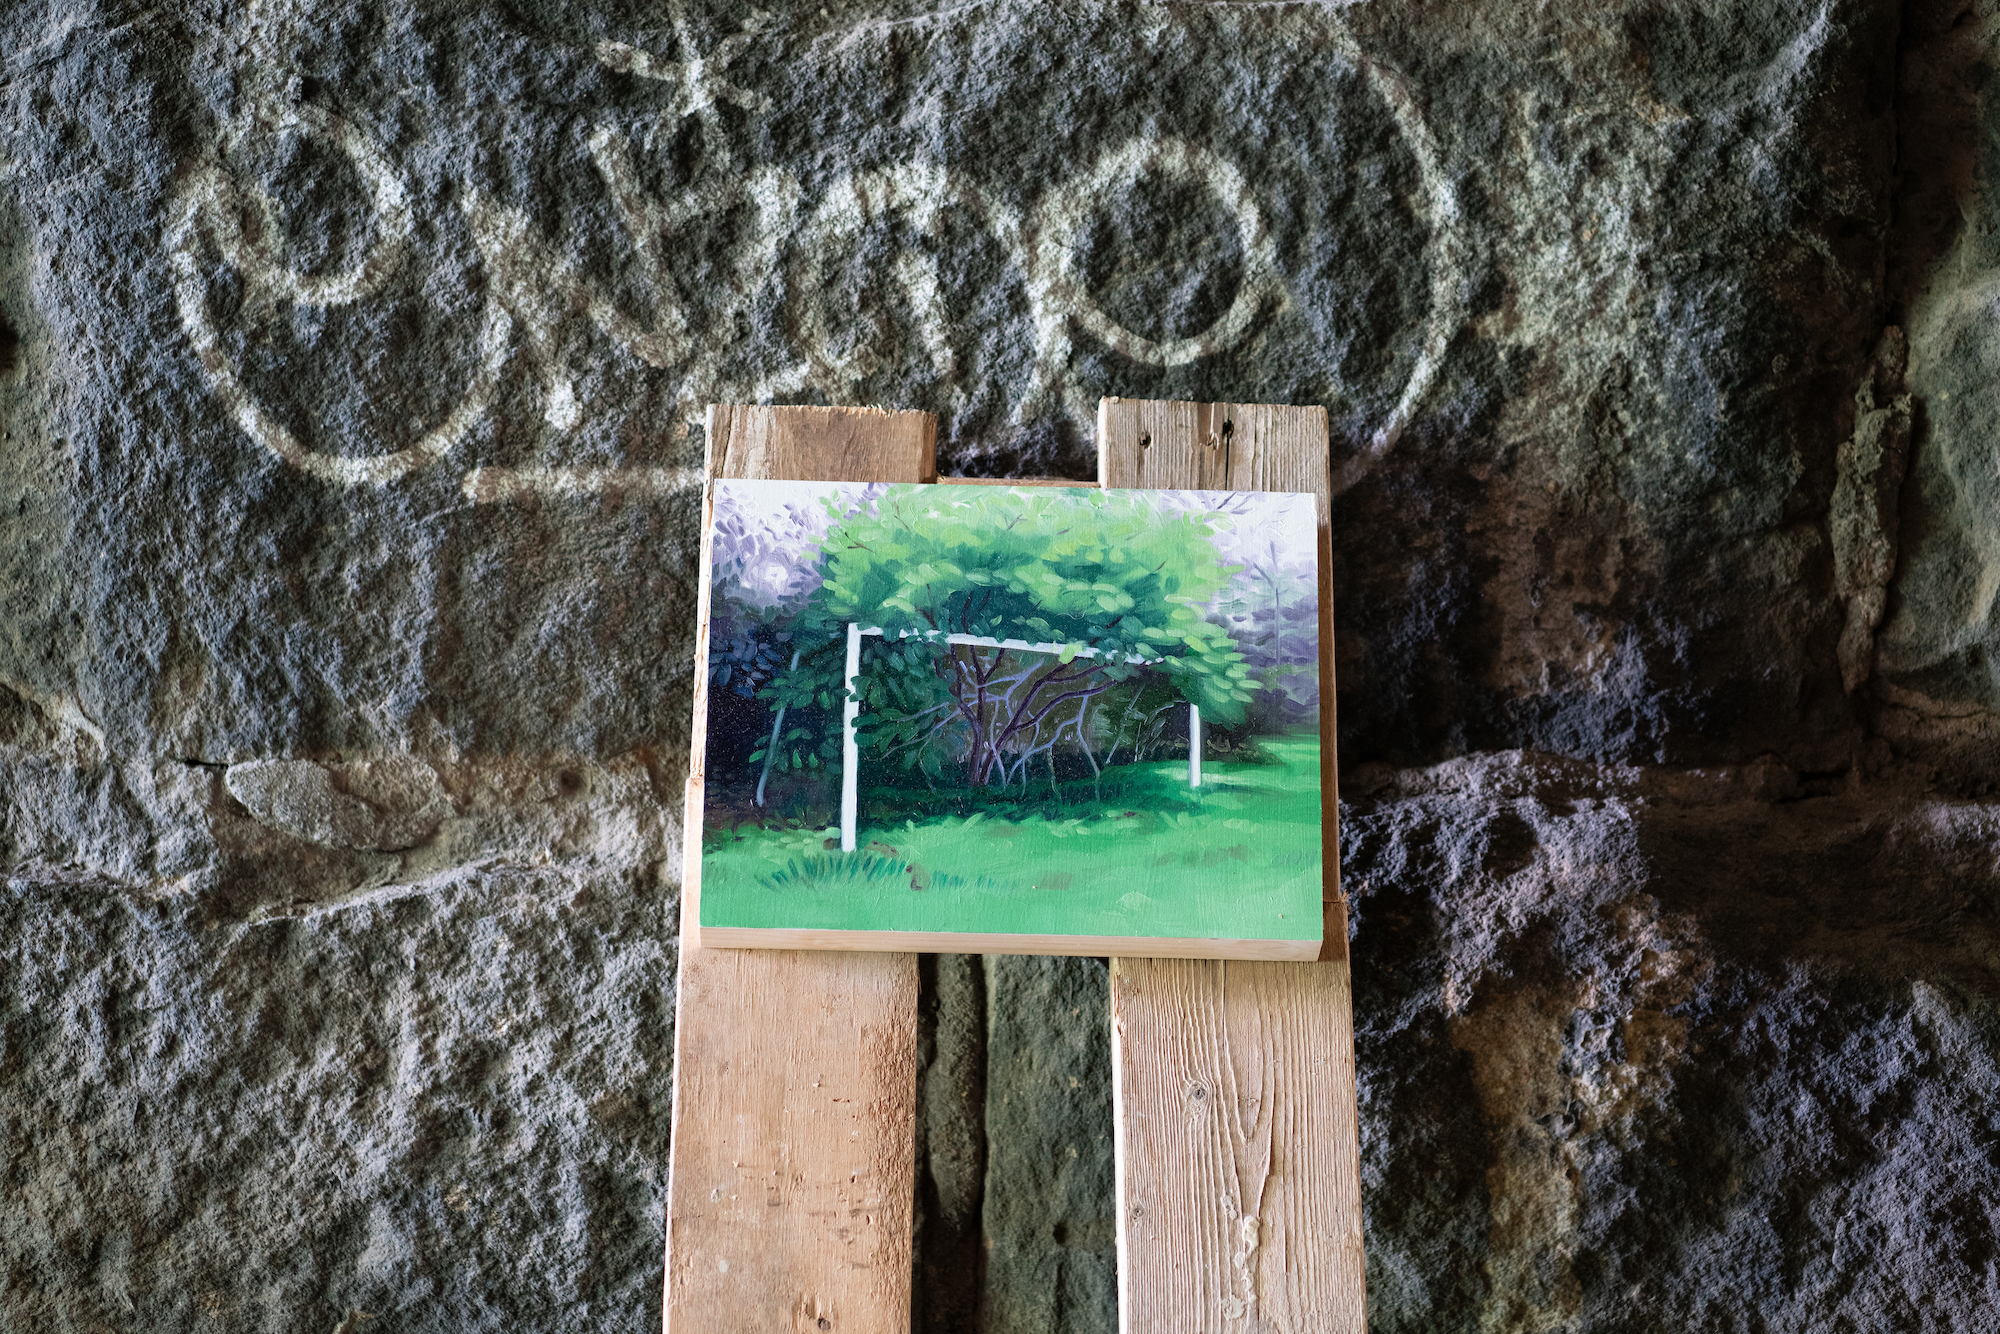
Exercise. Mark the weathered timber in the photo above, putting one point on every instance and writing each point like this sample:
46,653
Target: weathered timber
794,1116
1239,1201
821,444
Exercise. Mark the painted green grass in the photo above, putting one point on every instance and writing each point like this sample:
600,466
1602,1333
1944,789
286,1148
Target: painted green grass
1237,858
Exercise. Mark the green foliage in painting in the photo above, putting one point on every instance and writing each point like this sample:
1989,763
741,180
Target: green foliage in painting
1118,586
1102,571
1044,773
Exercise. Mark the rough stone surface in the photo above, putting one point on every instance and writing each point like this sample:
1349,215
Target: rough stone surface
1050,1218
359,346
1939,692
951,1143
1653,1049
446,1112
351,365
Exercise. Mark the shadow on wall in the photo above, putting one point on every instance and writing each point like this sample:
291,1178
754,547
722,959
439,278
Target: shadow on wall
1938,662
1643,1046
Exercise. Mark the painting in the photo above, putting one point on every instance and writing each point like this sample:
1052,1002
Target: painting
1010,719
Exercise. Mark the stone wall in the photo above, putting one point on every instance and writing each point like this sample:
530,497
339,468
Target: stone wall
352,359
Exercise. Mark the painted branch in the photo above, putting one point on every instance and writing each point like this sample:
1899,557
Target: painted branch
771,750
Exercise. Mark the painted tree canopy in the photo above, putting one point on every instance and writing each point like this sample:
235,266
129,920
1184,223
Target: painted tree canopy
1118,585
1096,571
1132,601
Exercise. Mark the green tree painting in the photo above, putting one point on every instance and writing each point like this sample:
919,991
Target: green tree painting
1120,587
1029,680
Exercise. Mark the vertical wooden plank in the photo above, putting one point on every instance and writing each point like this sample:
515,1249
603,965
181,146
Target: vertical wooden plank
1239,1204
792,1164
1239,1174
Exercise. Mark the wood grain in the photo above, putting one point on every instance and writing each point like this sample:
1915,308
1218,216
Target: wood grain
1238,1150
793,1157
1239,1201
820,444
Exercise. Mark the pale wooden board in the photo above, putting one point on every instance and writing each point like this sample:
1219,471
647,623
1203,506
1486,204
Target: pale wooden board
1238,1152
1239,1203
792,1166
820,444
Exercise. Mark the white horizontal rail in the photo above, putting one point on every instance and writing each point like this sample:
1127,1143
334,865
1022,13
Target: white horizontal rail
850,778
1075,650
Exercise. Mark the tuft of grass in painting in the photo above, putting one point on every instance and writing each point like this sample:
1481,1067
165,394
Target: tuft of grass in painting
1237,858
835,870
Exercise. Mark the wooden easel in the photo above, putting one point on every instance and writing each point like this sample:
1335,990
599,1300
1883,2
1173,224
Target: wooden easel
791,1182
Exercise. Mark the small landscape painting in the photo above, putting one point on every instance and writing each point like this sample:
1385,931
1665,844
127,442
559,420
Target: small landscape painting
1011,719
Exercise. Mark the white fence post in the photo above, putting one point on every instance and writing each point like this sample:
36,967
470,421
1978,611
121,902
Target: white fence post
1194,745
850,784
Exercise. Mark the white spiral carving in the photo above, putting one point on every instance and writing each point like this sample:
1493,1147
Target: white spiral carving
532,288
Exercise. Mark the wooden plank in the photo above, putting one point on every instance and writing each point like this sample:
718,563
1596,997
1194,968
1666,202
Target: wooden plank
821,444
1238,1150
1239,1203
792,1165
1244,447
